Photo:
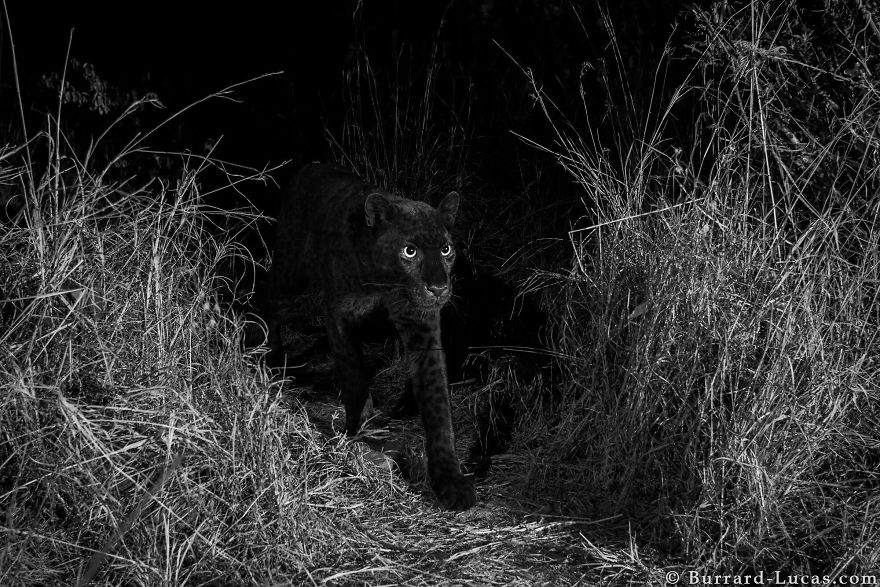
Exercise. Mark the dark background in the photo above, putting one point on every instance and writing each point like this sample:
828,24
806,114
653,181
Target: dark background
183,51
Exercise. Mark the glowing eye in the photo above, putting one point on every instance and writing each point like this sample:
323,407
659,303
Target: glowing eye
409,251
446,250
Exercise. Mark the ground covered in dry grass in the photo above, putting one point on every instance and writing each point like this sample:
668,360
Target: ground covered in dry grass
713,328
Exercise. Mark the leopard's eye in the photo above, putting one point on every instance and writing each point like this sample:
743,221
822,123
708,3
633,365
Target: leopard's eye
446,250
408,251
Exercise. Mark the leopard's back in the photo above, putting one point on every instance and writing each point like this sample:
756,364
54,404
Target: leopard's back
314,240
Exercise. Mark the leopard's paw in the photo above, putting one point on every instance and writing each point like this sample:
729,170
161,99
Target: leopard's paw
455,492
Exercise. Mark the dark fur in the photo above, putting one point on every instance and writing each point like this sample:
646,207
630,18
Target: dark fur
349,239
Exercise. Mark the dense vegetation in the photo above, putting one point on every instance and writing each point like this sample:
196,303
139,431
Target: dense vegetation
713,402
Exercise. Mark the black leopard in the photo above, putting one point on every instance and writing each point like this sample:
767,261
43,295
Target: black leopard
370,252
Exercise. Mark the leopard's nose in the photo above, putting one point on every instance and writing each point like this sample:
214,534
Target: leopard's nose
437,290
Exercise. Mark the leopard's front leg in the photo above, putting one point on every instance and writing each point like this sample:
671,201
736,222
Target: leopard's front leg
427,370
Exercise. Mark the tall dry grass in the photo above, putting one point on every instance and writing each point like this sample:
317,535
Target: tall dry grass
719,318
405,126
139,442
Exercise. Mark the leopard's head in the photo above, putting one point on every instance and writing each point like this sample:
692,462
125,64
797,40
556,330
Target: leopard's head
413,249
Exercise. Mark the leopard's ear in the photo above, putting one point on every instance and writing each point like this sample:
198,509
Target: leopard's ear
448,208
377,208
